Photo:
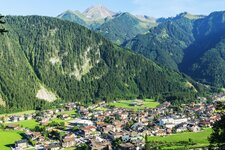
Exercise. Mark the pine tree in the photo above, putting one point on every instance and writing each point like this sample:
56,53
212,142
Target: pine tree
147,143
217,138
2,29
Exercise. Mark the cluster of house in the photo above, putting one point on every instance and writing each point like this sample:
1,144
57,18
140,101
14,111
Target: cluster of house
42,117
192,117
16,118
100,129
218,96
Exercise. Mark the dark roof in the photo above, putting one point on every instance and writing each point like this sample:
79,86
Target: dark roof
21,141
53,145
12,126
126,146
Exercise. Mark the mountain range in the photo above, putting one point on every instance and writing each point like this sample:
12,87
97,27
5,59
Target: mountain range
103,55
191,44
46,59
92,17
114,26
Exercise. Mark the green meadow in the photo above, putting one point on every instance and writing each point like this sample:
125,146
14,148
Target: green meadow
18,113
100,109
7,138
147,103
200,138
30,124
60,120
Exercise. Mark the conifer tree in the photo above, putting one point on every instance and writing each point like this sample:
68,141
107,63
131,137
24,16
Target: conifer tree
2,29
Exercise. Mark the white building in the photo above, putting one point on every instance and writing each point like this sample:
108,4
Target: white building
170,125
177,121
82,122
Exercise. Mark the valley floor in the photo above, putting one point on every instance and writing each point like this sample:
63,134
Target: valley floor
116,124
130,104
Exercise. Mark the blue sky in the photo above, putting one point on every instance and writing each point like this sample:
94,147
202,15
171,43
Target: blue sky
155,8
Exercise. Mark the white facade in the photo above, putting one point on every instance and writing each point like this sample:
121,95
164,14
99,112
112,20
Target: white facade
82,122
172,121
170,126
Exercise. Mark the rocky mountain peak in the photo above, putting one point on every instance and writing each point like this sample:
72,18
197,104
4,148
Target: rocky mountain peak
98,12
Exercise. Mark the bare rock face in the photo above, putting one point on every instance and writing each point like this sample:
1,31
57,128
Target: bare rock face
98,12
46,95
2,102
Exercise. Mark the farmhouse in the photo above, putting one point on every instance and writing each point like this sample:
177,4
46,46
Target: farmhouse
81,122
126,146
28,117
22,144
69,141
115,135
12,126
14,119
53,146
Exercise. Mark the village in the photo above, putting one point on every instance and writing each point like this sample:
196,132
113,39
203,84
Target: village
102,126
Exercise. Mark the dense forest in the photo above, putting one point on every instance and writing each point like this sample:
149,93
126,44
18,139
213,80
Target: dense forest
165,43
118,28
123,27
46,59
193,45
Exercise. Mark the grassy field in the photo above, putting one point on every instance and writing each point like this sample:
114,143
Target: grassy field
148,103
72,112
18,113
220,111
222,89
8,138
32,111
60,120
201,138
101,109
26,124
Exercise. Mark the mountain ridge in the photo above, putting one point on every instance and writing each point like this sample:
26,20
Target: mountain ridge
185,44
84,67
103,22
115,29
98,12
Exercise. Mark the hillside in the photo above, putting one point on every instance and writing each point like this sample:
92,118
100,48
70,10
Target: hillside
92,18
204,59
193,45
123,27
98,12
181,15
74,16
116,27
44,59
165,43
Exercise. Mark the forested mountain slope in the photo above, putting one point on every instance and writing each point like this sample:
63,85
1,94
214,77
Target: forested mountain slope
116,27
123,27
204,59
45,59
193,46
165,43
